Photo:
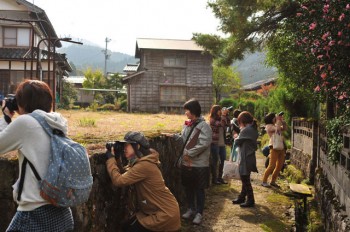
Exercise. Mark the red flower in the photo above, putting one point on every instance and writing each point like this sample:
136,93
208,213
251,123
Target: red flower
341,17
312,26
323,75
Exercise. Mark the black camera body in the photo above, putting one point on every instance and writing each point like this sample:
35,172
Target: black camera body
118,147
281,113
11,103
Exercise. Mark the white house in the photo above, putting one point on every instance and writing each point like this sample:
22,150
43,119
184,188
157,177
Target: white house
28,44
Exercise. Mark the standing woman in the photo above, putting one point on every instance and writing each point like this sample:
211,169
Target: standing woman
246,142
26,135
274,123
219,121
195,138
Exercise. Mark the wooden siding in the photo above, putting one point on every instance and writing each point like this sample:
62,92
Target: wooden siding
196,77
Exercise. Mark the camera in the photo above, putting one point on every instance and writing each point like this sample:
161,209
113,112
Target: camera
117,146
281,113
230,108
11,103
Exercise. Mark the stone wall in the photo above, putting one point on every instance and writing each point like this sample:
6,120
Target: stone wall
107,206
334,215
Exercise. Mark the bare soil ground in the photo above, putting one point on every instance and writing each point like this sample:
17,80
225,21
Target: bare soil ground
273,211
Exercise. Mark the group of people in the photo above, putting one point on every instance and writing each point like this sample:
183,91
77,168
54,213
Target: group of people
202,145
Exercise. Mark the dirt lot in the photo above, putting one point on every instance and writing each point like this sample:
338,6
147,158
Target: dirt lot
272,212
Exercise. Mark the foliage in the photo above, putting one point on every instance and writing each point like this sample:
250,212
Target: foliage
227,102
323,32
69,95
224,81
87,122
107,107
335,129
94,80
124,105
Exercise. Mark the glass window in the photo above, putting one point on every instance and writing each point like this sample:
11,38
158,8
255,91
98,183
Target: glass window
172,94
175,61
16,37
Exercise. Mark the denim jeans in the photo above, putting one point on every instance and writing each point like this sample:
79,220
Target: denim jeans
218,153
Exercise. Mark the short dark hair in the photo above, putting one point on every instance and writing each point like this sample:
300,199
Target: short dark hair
269,118
245,118
34,95
194,107
236,112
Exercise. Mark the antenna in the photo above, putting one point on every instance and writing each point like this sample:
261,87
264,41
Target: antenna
107,55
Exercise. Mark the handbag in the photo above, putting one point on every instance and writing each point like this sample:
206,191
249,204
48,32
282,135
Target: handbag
277,141
231,169
179,159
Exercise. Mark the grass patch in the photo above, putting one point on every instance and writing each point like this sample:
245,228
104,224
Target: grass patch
315,220
279,199
293,175
87,122
274,226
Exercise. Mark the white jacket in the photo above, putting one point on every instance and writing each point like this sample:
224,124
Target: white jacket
27,136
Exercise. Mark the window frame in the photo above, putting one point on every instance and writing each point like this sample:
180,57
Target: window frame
16,38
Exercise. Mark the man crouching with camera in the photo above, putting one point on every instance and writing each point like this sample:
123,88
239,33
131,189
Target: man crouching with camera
157,207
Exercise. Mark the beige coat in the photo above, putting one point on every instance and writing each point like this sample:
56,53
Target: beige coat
159,210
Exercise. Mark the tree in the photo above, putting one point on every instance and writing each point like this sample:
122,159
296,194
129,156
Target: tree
69,95
224,81
94,80
310,39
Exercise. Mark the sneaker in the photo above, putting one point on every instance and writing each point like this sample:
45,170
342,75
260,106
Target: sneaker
197,219
266,185
273,184
189,213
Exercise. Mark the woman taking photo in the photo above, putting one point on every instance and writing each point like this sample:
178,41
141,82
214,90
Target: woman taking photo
219,121
26,135
158,208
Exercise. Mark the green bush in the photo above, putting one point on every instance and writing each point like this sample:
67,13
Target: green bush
227,102
123,105
106,107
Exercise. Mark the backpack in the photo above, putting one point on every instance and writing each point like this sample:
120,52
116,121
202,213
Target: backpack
68,180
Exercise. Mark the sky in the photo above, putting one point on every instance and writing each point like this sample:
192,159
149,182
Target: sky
123,21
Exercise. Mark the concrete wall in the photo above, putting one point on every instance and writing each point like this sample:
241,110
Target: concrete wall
107,206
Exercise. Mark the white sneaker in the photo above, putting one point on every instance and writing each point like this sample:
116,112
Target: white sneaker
197,219
188,214
264,184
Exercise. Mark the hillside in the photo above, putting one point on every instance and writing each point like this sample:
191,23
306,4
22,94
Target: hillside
84,56
252,68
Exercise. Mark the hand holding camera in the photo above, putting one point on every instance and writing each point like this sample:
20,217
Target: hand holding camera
114,149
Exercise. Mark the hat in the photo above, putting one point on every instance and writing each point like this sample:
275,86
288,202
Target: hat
136,137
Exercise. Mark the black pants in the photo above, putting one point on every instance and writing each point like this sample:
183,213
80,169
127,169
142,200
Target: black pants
134,226
247,189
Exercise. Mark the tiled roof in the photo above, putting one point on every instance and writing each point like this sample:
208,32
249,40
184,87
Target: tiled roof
14,53
258,84
131,68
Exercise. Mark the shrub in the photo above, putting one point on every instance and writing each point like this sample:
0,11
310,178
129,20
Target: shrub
123,105
106,107
227,102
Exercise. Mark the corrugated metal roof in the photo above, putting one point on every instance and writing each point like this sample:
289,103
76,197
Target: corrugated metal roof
131,67
75,79
166,44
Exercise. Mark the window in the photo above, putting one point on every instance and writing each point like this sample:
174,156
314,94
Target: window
16,37
175,61
172,94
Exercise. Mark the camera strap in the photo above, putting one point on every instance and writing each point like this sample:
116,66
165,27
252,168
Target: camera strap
183,148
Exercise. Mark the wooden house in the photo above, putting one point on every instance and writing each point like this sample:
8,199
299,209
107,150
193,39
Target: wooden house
27,47
170,72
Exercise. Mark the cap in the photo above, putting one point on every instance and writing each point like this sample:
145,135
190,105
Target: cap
136,137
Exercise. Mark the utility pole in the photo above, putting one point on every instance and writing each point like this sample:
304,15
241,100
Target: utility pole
107,55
